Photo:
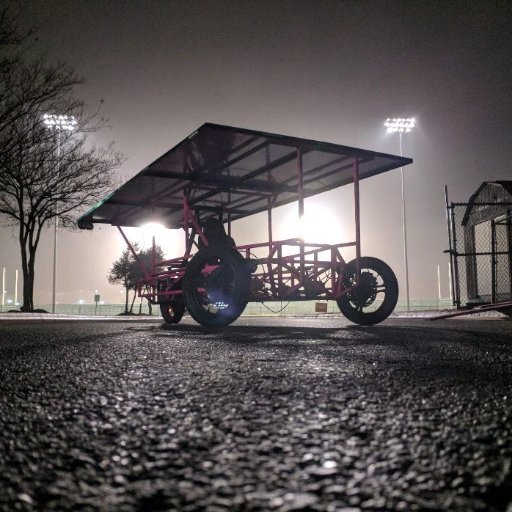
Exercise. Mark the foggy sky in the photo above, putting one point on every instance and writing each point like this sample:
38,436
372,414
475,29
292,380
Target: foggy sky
325,70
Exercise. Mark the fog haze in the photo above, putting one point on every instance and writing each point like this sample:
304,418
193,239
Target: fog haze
330,71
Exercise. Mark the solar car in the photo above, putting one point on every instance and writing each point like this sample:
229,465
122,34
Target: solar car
221,174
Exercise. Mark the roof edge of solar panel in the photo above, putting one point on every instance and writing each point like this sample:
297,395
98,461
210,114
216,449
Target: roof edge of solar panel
87,219
292,141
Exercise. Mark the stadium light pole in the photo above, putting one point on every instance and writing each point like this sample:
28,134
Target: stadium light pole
58,123
402,125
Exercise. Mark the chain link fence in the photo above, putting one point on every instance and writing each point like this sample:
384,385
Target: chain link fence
503,260
481,253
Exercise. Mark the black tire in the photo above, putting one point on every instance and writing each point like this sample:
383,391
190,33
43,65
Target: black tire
217,297
172,312
378,284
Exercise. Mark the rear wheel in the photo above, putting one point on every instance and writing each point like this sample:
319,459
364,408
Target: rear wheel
172,312
216,286
375,298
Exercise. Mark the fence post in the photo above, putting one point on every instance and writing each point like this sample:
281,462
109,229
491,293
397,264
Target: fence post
493,261
456,279
454,276
509,244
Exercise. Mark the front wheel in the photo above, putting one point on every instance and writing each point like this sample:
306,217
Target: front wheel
375,298
216,285
172,312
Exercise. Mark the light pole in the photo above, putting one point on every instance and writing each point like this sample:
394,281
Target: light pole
58,123
3,289
402,125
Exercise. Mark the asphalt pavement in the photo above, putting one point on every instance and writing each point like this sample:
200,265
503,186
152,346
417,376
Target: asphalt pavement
279,414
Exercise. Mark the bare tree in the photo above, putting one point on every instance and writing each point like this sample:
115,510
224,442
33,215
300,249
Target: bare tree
45,175
122,272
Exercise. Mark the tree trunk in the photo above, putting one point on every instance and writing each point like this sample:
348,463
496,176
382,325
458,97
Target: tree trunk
29,237
150,307
28,281
27,268
28,291
133,300
126,289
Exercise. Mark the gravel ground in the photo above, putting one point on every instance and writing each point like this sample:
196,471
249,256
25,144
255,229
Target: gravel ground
268,414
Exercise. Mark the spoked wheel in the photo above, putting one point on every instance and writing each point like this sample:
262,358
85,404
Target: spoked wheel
172,312
216,286
375,298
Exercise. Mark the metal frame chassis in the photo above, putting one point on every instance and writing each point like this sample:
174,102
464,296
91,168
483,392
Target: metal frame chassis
313,273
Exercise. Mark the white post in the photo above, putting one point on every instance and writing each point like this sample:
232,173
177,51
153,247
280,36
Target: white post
16,289
439,283
3,288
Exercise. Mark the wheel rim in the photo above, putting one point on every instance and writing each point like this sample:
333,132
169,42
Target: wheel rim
216,286
373,299
365,294
172,312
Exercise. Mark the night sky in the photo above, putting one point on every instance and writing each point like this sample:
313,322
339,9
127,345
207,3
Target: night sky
326,70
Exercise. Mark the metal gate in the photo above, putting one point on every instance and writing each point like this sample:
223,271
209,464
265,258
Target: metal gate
480,252
502,259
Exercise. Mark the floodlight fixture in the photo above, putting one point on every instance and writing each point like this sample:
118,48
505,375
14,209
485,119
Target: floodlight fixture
60,122
400,124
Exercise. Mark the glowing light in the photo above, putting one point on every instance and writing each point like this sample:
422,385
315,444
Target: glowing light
170,240
60,122
400,124
152,229
143,235
149,231
318,225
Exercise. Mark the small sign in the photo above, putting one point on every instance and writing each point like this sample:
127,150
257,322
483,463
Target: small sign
97,298
321,307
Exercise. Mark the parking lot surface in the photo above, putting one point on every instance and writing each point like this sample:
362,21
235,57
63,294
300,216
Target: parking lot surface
280,414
